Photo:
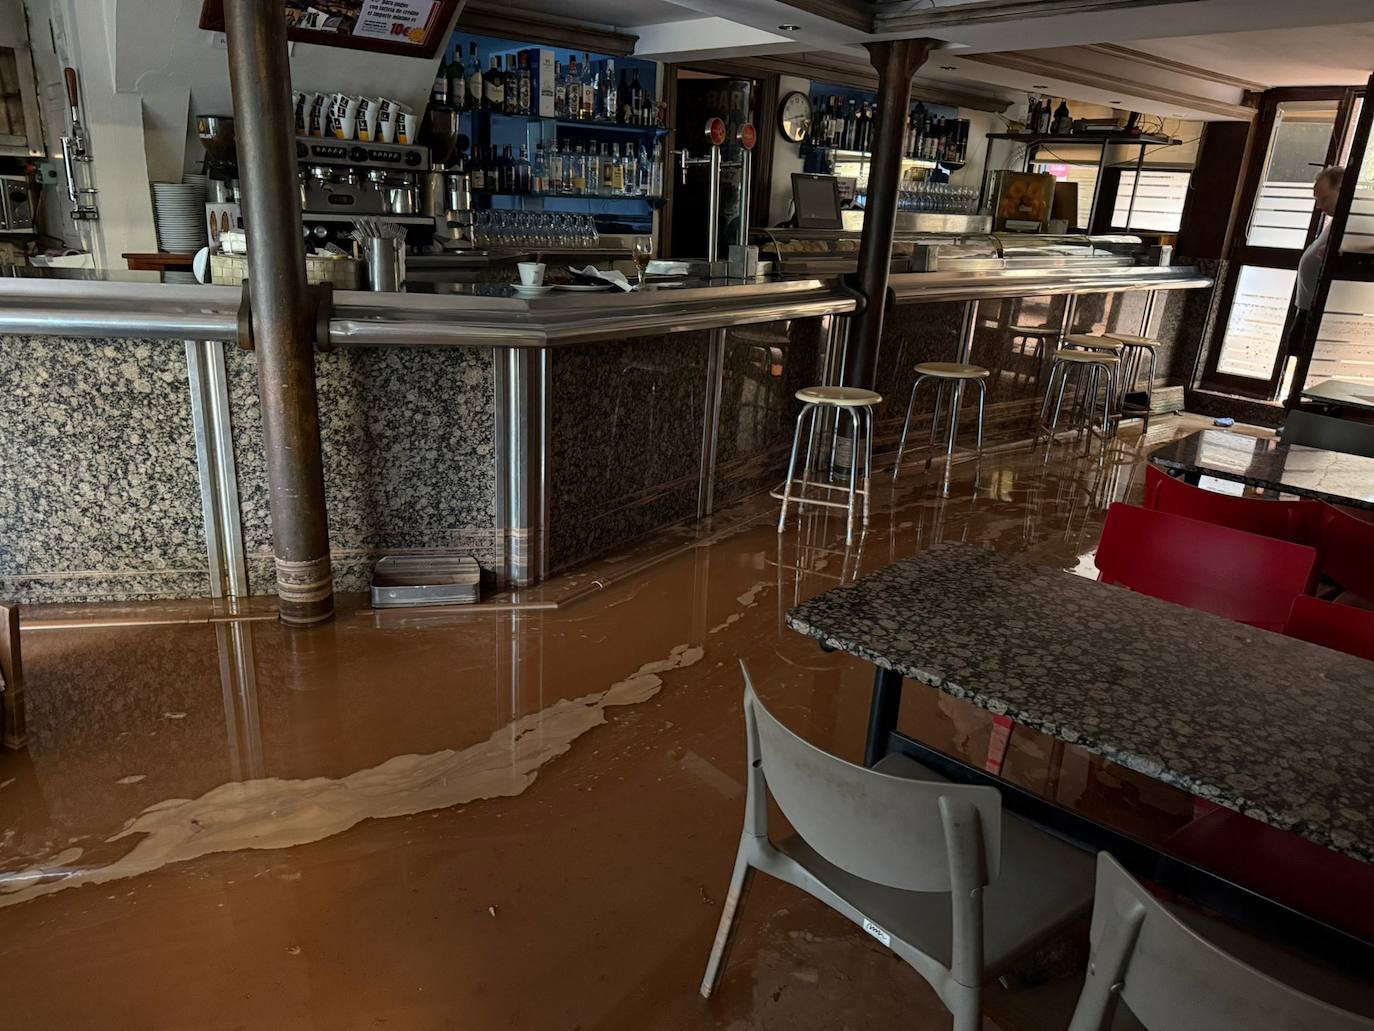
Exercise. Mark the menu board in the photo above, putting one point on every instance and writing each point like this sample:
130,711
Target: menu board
415,28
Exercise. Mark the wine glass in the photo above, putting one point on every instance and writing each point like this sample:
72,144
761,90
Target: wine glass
643,248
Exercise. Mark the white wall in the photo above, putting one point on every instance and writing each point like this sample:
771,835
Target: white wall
786,157
146,68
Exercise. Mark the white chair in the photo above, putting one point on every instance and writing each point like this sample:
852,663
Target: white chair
930,868
1164,964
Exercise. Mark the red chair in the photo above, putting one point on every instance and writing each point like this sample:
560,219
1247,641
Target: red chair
1343,628
1314,880
1294,521
1230,573
1346,545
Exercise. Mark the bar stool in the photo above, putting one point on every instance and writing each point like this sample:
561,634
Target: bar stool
1135,349
857,402
1090,367
1092,342
1043,337
952,375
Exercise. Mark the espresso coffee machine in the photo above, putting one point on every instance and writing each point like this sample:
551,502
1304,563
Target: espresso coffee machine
342,178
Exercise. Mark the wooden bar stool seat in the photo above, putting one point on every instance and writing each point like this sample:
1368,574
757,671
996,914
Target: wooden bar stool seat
1090,367
1093,342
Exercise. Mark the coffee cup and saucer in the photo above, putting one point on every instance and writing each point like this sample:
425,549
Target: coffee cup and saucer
531,280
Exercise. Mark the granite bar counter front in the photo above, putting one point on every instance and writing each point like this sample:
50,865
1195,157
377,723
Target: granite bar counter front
532,434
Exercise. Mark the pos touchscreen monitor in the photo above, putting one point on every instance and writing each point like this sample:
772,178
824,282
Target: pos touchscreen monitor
816,201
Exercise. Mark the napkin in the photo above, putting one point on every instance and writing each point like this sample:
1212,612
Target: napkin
611,276
666,268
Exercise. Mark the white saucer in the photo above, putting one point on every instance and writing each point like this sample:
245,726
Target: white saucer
530,291
584,287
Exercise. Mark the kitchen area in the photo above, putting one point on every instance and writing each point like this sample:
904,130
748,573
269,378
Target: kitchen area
561,295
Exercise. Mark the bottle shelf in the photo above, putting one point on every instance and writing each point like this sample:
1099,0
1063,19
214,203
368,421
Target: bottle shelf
577,123
569,196
867,155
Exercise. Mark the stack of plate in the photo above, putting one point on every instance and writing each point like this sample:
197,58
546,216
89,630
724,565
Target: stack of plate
179,212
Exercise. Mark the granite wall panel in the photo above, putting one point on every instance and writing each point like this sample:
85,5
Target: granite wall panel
409,457
99,494
765,366
626,432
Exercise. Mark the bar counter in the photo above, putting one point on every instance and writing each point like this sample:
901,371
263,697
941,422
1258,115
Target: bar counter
533,434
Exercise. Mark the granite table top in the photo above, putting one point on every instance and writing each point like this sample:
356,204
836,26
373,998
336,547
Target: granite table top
1344,392
1273,727
1310,472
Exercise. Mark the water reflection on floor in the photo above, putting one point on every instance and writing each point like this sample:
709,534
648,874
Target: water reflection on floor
508,818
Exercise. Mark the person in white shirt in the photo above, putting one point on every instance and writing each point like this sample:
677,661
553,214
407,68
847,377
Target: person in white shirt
1326,190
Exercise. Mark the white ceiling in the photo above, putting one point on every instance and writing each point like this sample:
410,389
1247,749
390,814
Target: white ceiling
1326,55
618,14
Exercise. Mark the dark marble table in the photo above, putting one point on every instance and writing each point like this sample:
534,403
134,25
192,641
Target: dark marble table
1279,729
1342,393
1262,462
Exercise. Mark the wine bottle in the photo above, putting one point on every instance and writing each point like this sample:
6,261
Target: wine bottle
475,93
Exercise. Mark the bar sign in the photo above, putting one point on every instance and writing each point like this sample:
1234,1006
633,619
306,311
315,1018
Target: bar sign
877,932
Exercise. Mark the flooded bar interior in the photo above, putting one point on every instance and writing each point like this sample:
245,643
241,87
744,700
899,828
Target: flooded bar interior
675,514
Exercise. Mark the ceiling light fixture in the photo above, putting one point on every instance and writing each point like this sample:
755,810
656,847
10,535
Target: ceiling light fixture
789,28
949,68
1040,85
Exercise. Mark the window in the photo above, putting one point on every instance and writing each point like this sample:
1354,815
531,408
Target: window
1084,176
1158,201
1297,149
1254,329
1345,341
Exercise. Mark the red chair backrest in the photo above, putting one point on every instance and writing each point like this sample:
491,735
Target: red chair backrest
1341,627
1241,576
1346,546
1294,521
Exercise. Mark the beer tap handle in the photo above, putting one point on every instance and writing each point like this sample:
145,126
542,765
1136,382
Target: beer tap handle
684,159
73,95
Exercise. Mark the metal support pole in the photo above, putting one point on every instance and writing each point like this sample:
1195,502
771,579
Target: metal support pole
260,80
896,62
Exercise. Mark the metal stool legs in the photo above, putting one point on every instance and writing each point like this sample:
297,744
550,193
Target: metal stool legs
957,389
861,455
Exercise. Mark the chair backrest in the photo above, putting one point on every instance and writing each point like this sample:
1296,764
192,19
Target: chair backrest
1313,430
1343,628
890,830
1174,980
1294,521
1345,544
1230,573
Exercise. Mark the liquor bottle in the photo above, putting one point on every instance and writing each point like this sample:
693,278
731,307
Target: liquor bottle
438,93
477,172
594,169
644,187
572,91
524,171
610,97
587,105
1032,112
631,171
539,169
457,80
505,172
526,83
476,95
637,98
656,173
1063,121
553,169
608,165
494,87
1046,114
626,114
559,94
512,97
579,171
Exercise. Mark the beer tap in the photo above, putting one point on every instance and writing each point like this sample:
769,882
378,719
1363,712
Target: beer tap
715,137
74,149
